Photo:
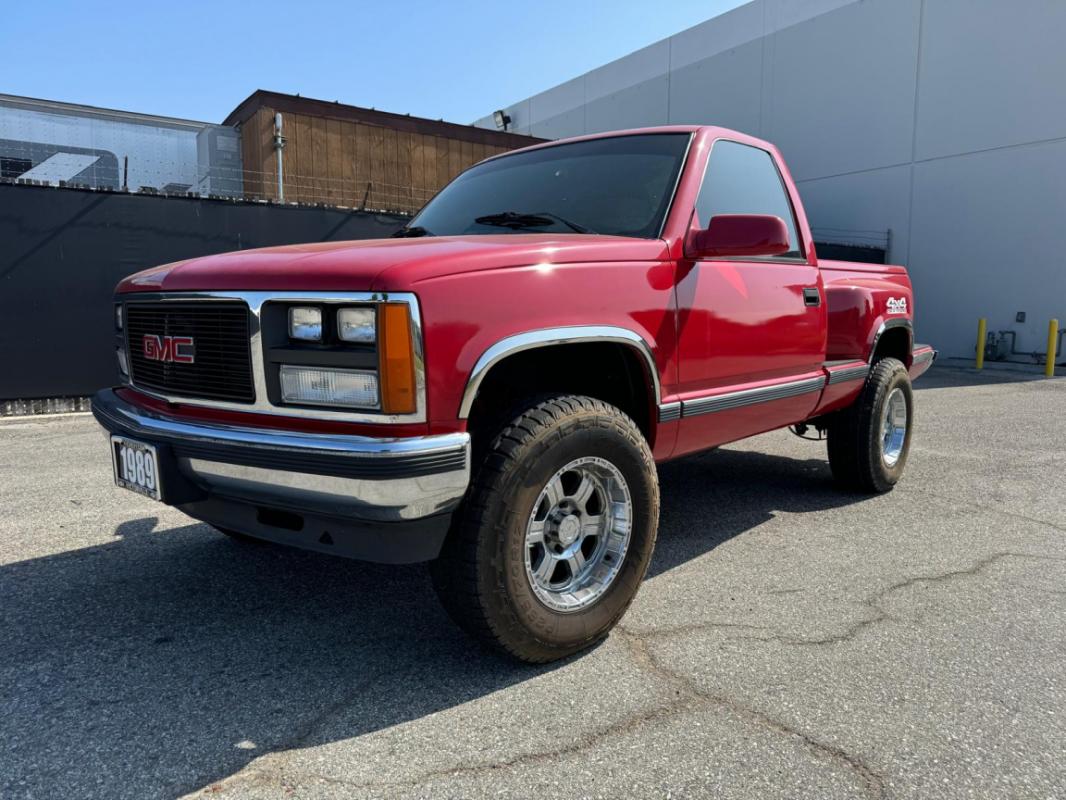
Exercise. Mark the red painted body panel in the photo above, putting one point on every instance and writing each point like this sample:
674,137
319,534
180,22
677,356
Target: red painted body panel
840,395
857,296
714,326
382,264
711,430
466,314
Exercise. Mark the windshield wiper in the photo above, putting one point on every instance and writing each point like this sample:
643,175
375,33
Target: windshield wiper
516,220
411,232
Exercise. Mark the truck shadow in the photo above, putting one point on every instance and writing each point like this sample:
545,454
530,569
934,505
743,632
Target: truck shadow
708,499
164,661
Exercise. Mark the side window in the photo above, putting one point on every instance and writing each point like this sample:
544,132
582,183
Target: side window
744,180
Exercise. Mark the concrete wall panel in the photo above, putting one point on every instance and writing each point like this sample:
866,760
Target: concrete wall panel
635,107
557,100
992,74
720,90
859,208
985,243
781,14
634,69
730,30
569,123
841,88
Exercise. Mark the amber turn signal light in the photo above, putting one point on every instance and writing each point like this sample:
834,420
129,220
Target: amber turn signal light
396,359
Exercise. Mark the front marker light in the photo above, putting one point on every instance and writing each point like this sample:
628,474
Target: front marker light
323,386
305,323
396,358
357,325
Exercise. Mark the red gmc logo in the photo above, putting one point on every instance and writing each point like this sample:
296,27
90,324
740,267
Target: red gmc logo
178,349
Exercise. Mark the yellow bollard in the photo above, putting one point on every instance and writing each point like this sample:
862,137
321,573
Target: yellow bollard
1052,342
982,330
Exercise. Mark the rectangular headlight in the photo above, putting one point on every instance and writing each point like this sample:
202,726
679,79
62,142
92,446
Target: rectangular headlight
123,364
323,386
305,323
118,316
357,325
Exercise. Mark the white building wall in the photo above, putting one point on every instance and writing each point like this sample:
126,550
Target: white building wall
943,121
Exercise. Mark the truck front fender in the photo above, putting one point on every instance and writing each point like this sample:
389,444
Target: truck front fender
549,337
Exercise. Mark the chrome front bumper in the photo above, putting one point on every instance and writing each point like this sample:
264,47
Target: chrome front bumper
347,477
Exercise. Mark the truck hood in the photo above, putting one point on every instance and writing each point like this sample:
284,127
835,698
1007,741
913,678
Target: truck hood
384,264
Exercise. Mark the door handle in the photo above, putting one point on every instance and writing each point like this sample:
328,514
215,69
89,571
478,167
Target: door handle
811,296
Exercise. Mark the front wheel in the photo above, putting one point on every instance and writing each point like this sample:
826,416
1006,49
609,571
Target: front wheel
556,533
869,441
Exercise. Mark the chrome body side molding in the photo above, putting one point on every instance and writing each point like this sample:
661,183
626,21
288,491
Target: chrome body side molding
548,337
747,397
848,372
669,412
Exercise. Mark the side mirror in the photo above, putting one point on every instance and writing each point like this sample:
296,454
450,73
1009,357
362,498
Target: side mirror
739,235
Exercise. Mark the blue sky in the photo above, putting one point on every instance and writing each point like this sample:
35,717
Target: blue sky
456,60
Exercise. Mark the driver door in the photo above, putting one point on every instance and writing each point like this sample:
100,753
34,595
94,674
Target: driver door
751,331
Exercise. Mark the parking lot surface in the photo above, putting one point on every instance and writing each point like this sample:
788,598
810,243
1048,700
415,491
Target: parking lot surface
790,641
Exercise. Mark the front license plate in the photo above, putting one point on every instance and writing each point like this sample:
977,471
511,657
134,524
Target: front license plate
136,466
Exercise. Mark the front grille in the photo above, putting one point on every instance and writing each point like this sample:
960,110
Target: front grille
222,365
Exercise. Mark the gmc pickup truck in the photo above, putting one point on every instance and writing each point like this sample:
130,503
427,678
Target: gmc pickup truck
491,389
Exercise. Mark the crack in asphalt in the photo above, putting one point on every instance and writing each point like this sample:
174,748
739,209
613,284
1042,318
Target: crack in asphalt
872,781
687,697
582,745
871,602
991,509
881,615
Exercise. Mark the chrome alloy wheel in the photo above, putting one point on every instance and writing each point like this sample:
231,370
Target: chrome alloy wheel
893,427
578,533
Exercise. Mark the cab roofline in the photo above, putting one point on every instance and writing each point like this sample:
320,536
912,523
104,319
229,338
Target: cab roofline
714,130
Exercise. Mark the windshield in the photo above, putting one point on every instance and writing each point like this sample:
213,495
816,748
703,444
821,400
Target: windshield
620,186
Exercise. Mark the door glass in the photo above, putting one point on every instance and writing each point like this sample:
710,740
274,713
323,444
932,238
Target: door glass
744,180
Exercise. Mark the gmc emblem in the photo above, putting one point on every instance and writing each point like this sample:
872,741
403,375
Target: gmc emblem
178,349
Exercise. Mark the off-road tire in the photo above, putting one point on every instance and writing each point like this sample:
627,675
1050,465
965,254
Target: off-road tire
855,433
480,575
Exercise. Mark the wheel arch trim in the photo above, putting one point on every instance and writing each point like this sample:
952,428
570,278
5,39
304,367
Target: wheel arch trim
887,325
550,337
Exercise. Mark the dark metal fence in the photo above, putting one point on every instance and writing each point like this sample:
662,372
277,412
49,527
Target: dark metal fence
841,251
62,251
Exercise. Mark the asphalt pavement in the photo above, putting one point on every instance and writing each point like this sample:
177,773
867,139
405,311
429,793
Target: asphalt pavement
791,641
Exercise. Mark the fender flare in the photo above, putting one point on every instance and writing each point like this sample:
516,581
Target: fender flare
549,337
887,325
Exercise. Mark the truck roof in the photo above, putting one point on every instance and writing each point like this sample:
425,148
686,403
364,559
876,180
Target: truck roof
714,131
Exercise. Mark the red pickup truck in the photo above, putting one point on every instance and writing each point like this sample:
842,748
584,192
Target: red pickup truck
491,389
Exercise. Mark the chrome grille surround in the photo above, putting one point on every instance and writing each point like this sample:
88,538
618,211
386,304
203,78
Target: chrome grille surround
255,301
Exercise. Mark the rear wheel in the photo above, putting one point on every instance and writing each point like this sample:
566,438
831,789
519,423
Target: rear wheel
869,442
556,533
